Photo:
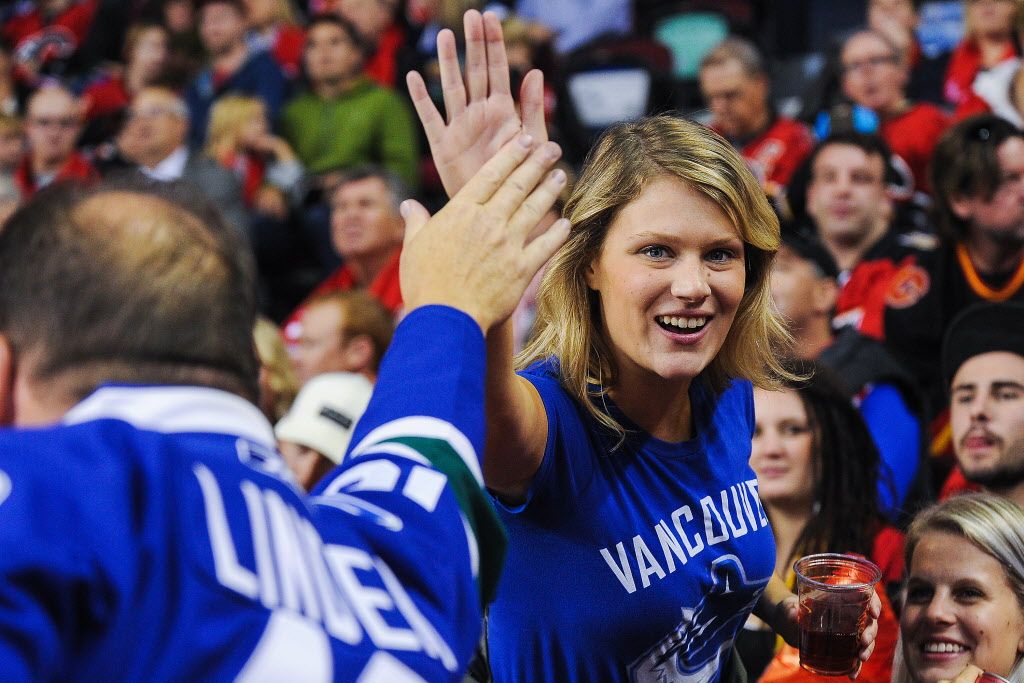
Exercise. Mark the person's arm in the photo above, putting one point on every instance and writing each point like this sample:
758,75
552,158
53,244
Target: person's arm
481,117
897,434
411,486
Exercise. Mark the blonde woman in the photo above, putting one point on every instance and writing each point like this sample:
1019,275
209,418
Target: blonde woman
618,442
239,138
963,605
278,383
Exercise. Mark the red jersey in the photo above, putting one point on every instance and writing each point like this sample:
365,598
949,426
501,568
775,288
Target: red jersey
776,153
287,49
385,288
105,97
37,38
383,64
913,135
77,167
964,65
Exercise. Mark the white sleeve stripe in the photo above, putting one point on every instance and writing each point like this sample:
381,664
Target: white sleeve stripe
422,426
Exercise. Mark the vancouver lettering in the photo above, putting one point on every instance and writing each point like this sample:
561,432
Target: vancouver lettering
685,533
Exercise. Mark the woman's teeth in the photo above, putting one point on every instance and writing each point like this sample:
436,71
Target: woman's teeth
675,323
943,647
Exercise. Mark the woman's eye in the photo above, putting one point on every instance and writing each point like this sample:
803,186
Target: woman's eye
918,595
793,430
655,252
720,255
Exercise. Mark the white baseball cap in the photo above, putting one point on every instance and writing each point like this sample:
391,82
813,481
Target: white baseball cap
325,412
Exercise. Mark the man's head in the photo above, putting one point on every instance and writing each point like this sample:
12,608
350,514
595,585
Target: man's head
370,17
53,120
222,25
978,181
734,82
983,364
365,219
124,285
157,125
342,332
873,72
335,52
847,195
803,281
314,434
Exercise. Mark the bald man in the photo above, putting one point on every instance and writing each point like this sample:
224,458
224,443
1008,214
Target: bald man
154,138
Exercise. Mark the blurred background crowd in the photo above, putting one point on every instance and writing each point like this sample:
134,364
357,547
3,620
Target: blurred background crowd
885,132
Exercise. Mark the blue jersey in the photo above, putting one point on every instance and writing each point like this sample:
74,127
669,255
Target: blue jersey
156,535
634,564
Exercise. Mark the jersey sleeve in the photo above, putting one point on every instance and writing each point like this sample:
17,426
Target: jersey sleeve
410,489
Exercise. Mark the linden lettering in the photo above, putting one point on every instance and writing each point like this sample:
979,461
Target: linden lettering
732,513
329,584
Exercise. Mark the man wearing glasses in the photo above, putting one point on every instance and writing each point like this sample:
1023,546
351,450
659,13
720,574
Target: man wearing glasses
52,124
155,137
875,77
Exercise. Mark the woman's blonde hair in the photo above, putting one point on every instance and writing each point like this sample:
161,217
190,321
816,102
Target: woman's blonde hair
227,118
273,356
626,159
992,523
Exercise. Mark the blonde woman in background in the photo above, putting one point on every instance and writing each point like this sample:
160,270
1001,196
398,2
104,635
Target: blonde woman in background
240,139
618,440
278,383
963,606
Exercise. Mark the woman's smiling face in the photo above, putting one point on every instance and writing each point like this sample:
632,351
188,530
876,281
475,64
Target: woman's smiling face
670,276
960,609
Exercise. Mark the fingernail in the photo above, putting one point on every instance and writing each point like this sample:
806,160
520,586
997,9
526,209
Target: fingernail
552,151
562,224
526,140
558,176
403,209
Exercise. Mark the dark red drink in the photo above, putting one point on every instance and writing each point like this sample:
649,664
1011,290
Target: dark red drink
828,654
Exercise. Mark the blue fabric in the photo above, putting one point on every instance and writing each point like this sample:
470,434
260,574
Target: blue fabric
635,564
897,435
259,76
155,535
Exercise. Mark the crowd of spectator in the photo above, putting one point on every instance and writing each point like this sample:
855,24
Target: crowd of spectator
892,156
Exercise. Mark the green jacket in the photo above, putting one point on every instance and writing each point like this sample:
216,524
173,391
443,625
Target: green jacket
367,124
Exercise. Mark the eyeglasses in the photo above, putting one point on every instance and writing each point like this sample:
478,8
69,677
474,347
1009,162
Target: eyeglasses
874,62
65,122
153,112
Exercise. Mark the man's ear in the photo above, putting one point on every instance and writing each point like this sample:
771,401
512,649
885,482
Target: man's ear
962,206
359,352
6,381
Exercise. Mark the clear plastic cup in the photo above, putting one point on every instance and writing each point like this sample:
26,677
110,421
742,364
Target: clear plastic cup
834,592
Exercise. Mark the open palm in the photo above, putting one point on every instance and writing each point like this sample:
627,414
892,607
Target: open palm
482,114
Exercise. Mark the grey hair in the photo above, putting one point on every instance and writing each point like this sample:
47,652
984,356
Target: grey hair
736,49
398,190
995,525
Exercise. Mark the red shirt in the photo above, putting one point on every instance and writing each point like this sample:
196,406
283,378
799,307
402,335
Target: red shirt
913,135
287,51
385,288
776,153
77,167
33,36
382,65
964,65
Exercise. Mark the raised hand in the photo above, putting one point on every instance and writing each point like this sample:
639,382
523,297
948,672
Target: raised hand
477,254
481,114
